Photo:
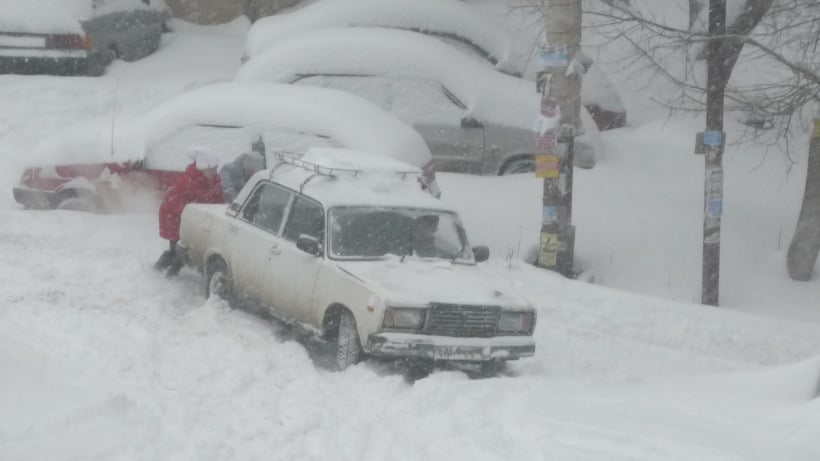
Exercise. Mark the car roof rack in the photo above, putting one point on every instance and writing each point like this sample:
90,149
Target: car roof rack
295,159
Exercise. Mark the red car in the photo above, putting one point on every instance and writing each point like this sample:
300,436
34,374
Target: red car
228,118
93,187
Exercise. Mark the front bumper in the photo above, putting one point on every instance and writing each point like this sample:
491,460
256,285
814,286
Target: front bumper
35,198
450,349
52,62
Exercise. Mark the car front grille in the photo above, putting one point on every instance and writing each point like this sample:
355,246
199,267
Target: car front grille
466,321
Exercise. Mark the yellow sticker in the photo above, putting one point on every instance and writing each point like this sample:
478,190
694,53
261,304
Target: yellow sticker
817,128
548,256
546,166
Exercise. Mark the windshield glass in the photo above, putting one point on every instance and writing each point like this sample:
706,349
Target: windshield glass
374,232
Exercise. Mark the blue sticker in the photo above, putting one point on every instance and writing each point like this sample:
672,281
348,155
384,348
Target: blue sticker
712,138
550,215
714,208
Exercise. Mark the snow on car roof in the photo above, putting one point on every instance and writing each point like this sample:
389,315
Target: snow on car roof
344,118
489,95
61,16
376,182
439,17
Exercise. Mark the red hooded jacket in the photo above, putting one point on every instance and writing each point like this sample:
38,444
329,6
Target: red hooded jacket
191,187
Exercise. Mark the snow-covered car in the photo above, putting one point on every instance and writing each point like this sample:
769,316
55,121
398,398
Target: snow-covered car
474,119
77,36
453,21
346,246
230,118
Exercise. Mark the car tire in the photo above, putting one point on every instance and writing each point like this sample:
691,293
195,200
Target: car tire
84,204
218,281
348,346
518,165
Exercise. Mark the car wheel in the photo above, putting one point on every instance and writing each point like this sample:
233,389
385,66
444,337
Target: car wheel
79,204
519,165
348,346
218,281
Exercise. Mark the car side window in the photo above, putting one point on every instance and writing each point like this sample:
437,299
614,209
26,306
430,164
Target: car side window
424,101
306,217
373,88
266,207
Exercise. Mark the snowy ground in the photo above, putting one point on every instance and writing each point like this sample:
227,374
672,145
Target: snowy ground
100,358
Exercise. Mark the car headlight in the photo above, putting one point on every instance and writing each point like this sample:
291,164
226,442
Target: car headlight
403,318
516,322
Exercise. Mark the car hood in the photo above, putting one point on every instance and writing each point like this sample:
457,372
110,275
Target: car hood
417,283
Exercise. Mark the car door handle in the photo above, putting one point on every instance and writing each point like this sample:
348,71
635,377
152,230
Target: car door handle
275,250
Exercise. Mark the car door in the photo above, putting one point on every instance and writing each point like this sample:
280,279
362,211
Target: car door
455,139
292,271
255,238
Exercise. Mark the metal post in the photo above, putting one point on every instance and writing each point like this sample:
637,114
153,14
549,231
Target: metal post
714,141
560,113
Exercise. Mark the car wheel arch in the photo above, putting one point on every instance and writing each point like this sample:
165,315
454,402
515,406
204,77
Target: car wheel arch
513,158
80,193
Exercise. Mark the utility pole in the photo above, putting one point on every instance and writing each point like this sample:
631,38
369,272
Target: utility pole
560,86
714,140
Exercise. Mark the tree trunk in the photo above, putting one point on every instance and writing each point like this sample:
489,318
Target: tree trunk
805,244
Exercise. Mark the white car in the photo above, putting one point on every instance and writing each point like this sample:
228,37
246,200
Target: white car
347,246
474,119
77,36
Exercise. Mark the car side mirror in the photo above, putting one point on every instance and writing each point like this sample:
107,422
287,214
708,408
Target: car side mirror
309,245
470,122
481,253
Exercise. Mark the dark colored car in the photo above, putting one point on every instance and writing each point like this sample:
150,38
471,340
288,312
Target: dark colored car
77,37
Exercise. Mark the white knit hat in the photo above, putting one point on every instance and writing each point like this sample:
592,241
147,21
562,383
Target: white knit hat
205,159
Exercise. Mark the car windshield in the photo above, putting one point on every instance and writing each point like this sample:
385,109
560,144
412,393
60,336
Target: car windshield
375,232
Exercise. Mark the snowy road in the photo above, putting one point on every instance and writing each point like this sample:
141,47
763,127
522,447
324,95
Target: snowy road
101,358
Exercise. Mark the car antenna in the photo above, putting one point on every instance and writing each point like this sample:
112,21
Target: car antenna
114,116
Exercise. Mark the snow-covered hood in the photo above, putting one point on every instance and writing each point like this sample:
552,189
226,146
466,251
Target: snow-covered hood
417,283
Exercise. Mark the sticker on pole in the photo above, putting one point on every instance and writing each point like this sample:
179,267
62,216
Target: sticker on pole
817,128
546,142
548,254
549,107
714,193
554,56
546,166
550,215
712,138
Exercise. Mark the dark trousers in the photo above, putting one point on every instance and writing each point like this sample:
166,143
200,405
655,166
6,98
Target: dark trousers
170,259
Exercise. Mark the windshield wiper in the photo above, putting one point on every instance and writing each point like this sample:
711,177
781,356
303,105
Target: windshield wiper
408,247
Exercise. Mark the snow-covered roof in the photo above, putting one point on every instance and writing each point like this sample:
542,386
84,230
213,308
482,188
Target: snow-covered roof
377,181
343,118
489,96
446,18
61,16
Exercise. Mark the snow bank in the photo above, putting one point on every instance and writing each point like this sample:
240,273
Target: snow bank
437,17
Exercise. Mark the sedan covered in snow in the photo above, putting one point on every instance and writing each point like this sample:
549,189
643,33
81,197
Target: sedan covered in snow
230,118
476,33
474,119
77,36
348,247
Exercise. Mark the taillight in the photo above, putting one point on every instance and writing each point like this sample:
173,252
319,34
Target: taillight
69,42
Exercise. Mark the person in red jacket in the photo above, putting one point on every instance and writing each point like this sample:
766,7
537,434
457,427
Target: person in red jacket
198,184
